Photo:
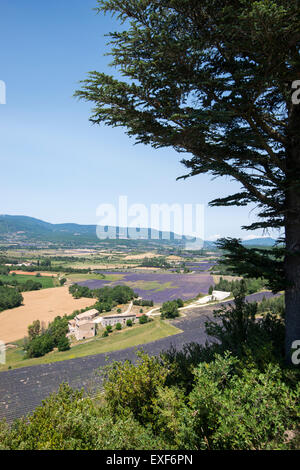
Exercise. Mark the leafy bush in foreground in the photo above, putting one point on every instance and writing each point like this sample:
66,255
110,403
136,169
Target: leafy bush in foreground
69,421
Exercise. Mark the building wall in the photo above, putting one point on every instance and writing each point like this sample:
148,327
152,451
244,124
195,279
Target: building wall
105,321
87,330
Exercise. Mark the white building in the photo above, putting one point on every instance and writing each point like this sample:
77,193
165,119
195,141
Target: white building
116,318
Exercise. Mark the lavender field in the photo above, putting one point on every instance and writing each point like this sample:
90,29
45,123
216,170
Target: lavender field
159,287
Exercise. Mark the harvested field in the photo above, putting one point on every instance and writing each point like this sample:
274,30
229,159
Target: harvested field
142,256
43,305
26,273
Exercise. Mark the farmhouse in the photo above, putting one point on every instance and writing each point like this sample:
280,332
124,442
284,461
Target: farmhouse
83,326
114,319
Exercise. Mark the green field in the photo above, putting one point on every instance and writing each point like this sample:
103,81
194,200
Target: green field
46,281
129,337
151,285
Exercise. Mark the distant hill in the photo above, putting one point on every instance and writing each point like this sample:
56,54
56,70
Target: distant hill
26,230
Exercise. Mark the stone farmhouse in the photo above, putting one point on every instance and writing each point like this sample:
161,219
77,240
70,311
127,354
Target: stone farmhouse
84,325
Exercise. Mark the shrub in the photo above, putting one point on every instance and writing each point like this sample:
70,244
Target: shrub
9,298
129,323
236,407
40,346
69,420
133,387
118,326
169,309
143,319
109,328
105,334
63,344
238,331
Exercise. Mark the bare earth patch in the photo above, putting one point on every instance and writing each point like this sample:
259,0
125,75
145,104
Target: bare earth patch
25,273
142,256
43,305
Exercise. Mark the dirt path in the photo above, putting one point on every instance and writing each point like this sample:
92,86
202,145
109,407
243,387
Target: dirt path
43,305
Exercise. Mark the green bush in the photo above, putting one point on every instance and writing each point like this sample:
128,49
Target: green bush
169,309
235,407
118,326
143,319
237,330
63,344
129,323
69,420
105,334
133,387
40,345
9,298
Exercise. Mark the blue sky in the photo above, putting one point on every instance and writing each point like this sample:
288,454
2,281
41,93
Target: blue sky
55,165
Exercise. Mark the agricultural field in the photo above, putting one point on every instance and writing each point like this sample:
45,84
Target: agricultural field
159,287
118,340
46,281
43,305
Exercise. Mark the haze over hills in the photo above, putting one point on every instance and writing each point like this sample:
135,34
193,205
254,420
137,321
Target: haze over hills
24,229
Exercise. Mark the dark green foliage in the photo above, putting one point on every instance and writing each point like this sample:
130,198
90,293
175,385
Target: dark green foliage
118,326
105,333
43,341
133,387
40,345
234,407
119,294
63,344
108,328
159,262
80,291
169,309
69,420
29,286
238,331
143,319
251,285
143,303
4,270
129,323
254,262
58,329
273,305
9,298
34,330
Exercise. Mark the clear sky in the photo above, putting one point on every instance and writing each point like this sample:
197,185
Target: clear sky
55,165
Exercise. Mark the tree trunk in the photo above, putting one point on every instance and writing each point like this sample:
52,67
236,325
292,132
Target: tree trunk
292,233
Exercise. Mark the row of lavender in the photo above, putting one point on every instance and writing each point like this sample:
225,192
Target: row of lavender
167,286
